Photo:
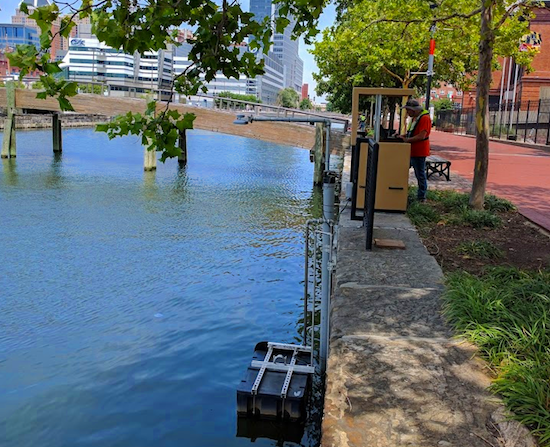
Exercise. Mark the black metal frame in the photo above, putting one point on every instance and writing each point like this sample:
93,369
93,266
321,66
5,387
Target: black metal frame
355,178
370,191
437,165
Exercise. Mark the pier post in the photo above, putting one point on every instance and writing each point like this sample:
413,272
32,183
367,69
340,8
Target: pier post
56,133
8,143
150,160
318,154
182,158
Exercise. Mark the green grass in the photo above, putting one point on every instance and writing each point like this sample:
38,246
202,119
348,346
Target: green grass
421,214
452,208
506,314
474,218
479,249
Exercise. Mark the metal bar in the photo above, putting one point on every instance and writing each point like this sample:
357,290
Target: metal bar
526,120
288,378
313,303
306,281
377,113
329,182
289,347
261,372
513,99
517,118
281,367
537,128
501,90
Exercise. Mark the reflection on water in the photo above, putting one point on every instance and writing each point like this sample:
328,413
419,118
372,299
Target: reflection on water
131,301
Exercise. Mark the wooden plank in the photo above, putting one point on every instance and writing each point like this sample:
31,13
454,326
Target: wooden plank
393,244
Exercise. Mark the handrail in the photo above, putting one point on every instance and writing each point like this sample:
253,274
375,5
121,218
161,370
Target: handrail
279,109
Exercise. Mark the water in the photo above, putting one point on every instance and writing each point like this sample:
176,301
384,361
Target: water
130,302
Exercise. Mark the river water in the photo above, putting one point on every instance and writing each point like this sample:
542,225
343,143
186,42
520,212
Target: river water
130,302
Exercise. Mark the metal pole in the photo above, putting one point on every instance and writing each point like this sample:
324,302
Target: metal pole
513,100
526,121
430,71
508,88
306,281
501,92
329,182
377,113
537,128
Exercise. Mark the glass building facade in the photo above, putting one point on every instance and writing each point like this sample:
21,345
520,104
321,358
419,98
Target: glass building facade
284,48
12,35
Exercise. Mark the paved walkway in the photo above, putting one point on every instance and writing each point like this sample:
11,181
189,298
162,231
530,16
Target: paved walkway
519,174
396,376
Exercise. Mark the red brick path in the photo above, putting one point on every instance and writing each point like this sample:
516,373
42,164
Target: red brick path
519,174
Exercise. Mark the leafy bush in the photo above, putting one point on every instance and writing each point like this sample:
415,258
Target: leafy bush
479,249
479,218
506,314
248,98
494,203
422,213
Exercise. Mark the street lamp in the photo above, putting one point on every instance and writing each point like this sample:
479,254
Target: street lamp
329,182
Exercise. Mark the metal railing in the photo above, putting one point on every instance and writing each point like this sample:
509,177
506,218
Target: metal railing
524,121
257,109
320,256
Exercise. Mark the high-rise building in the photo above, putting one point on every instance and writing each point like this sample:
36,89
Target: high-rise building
12,35
21,18
265,87
284,48
89,60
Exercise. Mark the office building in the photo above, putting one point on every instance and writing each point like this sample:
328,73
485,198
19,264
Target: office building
89,60
284,48
12,35
265,87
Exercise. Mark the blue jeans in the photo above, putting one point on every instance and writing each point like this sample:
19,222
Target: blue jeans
419,166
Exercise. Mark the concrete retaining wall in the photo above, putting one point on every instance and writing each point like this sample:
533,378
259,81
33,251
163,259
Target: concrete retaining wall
39,121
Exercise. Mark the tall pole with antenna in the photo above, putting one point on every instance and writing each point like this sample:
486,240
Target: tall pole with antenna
430,71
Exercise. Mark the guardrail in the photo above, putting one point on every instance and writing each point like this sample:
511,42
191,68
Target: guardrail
258,109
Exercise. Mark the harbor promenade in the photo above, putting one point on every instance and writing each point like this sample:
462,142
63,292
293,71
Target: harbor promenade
396,374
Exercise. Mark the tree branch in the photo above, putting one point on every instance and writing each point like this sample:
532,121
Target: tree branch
433,20
391,73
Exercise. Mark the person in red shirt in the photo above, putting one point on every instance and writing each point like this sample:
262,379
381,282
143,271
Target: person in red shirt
418,135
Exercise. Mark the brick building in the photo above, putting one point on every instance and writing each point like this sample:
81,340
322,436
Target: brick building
512,83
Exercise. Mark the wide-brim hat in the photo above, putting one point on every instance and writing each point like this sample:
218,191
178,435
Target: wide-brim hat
412,104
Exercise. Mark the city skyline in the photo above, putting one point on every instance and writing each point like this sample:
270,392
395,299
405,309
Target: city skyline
7,10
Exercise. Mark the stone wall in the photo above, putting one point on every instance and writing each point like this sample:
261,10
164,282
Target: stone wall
42,121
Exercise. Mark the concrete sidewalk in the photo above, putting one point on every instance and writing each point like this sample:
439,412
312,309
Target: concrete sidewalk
396,376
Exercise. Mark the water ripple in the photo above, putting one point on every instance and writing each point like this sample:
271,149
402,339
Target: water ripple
130,301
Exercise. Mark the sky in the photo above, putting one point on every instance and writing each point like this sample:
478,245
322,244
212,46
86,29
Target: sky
7,9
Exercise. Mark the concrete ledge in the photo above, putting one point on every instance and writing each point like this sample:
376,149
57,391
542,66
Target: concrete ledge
387,311
397,394
399,268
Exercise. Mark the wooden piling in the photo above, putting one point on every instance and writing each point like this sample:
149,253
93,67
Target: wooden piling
149,159
319,154
8,143
182,158
56,133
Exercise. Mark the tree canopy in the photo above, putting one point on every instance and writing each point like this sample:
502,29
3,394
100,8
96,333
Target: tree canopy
288,97
386,43
150,25
306,104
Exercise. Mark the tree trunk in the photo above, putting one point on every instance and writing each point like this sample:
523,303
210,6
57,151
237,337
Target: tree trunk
477,196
